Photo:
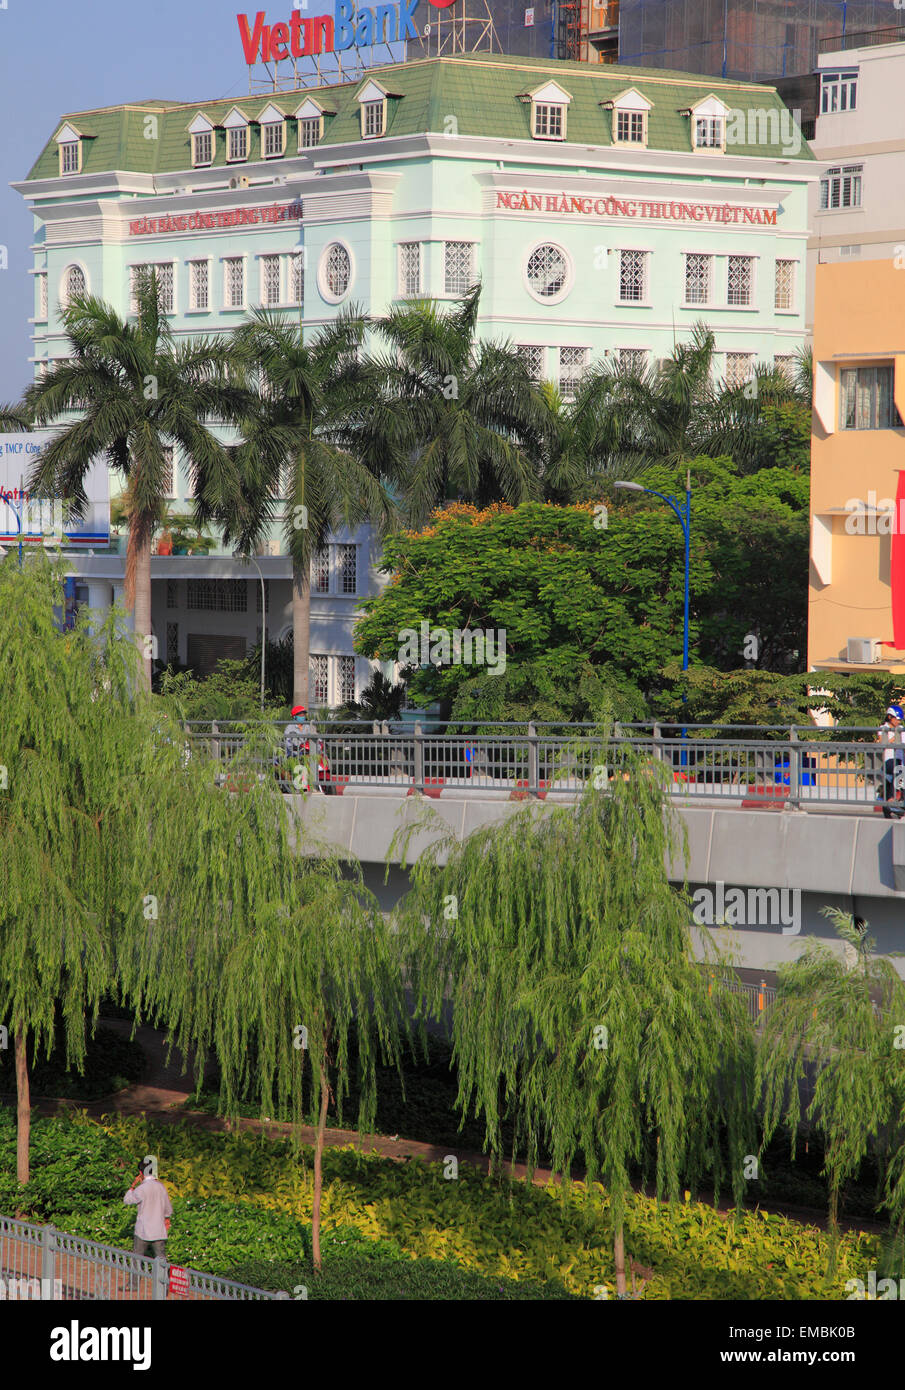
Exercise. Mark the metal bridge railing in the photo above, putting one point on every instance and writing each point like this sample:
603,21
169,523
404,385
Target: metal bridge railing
40,1262
809,769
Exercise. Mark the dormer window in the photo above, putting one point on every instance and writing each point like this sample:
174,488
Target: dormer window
310,119
373,103
273,132
549,121
708,132
630,111
201,132
708,125
236,125
549,108
69,157
69,143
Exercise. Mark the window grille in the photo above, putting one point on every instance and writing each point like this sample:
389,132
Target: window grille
547,271
217,595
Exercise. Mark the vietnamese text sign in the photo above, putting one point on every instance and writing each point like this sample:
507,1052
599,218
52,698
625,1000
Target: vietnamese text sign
43,517
210,221
671,211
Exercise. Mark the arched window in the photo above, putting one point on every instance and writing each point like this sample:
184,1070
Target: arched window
74,283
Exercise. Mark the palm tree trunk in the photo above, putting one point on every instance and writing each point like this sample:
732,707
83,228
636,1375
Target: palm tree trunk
23,1107
301,632
319,1171
138,589
619,1253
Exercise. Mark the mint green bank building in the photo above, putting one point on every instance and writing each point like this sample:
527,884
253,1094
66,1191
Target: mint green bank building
604,210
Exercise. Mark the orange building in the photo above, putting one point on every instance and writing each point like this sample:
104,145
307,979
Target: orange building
857,571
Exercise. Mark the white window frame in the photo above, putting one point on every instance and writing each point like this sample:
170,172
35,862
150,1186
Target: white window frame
401,273
262,298
323,287
750,361
291,258
641,353
64,281
194,307
369,117
568,281
266,130
644,253
308,125
227,260
751,301
544,114
523,350
789,308
198,135
707,302
43,296
837,177
233,132
472,273
136,266
566,390
838,92
66,147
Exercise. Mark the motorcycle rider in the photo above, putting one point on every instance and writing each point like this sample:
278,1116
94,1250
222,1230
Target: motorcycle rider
891,735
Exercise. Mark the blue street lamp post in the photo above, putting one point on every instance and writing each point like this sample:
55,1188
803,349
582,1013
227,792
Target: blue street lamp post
684,515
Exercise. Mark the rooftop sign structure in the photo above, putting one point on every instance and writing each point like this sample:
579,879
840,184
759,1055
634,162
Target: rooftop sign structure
341,46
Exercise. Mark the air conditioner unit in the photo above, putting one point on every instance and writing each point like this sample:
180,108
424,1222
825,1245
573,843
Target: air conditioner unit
863,651
241,182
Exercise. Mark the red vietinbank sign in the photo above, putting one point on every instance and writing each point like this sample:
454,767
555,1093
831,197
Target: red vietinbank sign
303,37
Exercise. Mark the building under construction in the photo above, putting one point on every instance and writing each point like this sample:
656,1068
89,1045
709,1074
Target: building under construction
755,39
583,30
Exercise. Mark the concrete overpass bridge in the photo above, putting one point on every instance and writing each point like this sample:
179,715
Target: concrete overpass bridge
779,826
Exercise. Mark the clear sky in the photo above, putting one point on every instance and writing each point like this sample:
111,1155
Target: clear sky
57,57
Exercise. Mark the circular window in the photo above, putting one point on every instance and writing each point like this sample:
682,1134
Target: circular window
74,283
548,273
335,271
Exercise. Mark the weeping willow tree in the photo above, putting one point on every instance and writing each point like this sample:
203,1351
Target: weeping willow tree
278,962
564,958
842,1023
68,807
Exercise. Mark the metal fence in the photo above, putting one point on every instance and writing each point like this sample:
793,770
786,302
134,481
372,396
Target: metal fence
804,768
40,1262
758,997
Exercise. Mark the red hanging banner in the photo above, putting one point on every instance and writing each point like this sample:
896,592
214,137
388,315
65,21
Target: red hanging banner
897,570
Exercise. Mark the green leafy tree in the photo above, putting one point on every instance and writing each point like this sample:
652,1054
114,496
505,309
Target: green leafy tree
318,444
133,389
295,980
590,596
841,1021
560,952
756,697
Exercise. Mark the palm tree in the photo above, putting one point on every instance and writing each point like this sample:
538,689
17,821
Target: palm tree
472,414
320,434
133,388
13,418
599,435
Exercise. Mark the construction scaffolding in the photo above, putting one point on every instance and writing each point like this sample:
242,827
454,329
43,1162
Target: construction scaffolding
758,40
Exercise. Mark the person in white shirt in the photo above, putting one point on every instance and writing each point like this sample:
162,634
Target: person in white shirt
152,1224
891,734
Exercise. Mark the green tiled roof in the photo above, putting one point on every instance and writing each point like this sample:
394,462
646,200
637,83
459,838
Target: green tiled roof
480,91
